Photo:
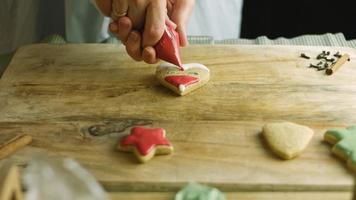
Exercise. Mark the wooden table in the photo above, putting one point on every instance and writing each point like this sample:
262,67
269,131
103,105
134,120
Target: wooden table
58,93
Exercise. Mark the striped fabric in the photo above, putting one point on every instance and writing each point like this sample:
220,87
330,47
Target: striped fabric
327,39
54,39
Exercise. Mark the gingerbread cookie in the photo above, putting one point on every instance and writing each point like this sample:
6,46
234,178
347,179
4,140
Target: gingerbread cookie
344,141
287,139
195,191
184,81
146,142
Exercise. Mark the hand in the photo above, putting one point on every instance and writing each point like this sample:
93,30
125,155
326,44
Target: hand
179,12
147,18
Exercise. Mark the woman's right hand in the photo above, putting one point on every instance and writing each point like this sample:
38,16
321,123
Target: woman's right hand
140,23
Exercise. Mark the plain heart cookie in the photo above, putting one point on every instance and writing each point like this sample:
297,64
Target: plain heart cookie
184,81
286,139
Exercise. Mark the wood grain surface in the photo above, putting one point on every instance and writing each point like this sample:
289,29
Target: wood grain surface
78,100
240,195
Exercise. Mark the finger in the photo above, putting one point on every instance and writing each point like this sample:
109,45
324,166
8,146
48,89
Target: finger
125,28
133,46
170,4
183,38
180,15
149,55
170,23
121,28
104,6
113,27
155,22
119,9
137,11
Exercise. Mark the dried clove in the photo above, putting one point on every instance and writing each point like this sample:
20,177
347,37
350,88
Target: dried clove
325,62
337,55
304,56
329,59
322,55
318,68
313,66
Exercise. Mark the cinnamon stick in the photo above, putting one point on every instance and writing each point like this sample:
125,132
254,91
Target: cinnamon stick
14,144
338,64
354,192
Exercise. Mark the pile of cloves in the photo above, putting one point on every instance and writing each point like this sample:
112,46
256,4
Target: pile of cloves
325,60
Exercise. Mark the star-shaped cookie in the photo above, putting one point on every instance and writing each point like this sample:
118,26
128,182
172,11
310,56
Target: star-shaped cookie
344,141
146,142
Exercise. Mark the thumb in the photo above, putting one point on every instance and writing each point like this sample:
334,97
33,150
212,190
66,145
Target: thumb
182,9
104,6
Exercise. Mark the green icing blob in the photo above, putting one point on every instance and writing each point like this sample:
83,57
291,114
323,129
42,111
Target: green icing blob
347,141
195,191
193,73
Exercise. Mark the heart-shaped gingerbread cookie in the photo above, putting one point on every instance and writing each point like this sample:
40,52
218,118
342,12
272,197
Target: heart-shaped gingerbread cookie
184,81
287,139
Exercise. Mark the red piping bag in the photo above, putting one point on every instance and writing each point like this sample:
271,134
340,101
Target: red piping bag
167,48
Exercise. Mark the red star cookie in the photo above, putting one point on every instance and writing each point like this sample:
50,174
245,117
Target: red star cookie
146,142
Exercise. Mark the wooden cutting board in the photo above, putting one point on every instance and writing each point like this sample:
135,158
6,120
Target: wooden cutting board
57,93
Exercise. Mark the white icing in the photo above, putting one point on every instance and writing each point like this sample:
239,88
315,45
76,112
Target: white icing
166,65
181,88
185,66
195,65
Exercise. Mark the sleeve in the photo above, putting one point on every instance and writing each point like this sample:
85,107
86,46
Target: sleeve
95,5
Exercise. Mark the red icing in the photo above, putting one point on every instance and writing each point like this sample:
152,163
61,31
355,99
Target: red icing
167,48
181,80
145,139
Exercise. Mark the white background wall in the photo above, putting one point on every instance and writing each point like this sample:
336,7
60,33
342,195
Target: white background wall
218,18
28,21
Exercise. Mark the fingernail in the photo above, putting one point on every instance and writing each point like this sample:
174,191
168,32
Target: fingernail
133,37
113,27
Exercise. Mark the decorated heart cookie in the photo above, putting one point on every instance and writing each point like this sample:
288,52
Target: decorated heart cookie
287,139
344,141
146,143
184,81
